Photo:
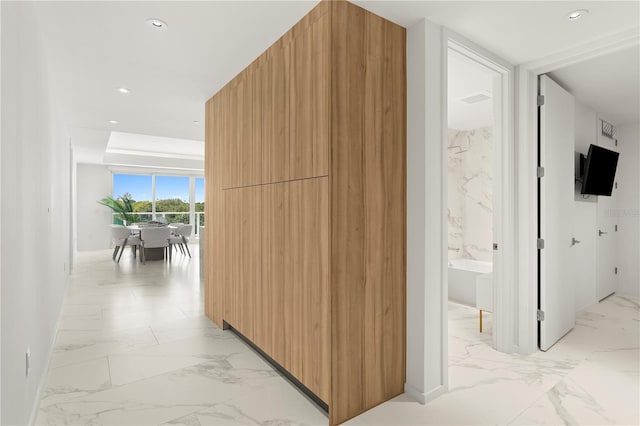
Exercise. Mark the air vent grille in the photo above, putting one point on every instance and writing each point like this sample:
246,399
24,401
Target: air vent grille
475,98
608,130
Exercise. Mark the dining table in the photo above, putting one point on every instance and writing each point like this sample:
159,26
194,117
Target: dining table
156,253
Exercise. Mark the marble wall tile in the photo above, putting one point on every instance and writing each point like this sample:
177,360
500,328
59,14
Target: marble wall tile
470,190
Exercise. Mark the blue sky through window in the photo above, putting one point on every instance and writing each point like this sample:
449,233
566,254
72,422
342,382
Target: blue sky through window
139,186
199,190
172,187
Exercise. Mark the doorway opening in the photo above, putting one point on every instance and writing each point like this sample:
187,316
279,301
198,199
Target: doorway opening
474,132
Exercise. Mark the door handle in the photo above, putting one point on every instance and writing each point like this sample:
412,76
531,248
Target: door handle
574,242
601,233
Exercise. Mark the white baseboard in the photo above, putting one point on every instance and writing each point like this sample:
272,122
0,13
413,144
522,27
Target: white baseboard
424,397
36,403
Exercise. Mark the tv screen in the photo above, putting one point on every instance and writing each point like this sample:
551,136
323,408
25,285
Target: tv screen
599,171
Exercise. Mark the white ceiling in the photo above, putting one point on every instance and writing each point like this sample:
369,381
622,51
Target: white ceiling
96,47
467,78
609,84
154,151
518,31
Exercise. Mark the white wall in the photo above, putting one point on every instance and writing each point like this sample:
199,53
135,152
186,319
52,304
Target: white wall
93,182
35,210
585,214
626,211
628,178
426,215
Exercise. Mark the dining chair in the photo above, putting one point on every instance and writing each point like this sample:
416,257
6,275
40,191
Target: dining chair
176,226
181,238
121,237
155,237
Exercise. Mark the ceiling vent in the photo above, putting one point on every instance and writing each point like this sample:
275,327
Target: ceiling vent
475,98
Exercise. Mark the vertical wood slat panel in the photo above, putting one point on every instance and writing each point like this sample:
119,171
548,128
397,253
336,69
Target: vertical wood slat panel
242,151
347,205
275,114
384,185
216,132
211,308
271,320
230,148
368,211
244,240
307,322
230,256
310,101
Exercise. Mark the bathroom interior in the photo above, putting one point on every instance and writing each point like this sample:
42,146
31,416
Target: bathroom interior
471,118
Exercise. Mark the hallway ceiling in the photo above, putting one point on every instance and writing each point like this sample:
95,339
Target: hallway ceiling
609,84
518,31
94,48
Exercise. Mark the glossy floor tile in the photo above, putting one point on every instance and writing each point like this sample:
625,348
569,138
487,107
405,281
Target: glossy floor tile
133,347
592,376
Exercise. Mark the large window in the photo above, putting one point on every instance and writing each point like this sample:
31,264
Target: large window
170,198
138,188
200,202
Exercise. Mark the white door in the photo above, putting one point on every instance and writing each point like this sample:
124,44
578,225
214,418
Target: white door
606,272
556,190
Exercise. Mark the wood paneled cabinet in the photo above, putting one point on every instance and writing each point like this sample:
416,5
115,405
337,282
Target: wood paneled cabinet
309,97
305,191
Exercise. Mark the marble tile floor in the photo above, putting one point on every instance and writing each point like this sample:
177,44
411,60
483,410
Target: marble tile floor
590,377
134,348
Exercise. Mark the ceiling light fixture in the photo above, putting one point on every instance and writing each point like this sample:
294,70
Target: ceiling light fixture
577,14
196,122
157,24
114,122
124,90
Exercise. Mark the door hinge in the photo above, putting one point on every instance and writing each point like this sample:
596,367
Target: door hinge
615,270
540,315
540,243
540,172
616,228
540,100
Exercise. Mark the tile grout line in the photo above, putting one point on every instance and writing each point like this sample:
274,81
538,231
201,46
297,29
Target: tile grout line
109,368
510,422
154,336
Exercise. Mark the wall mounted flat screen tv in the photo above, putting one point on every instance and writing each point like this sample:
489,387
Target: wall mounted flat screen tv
599,171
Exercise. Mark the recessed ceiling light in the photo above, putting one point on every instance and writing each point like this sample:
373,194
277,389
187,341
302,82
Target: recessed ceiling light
114,122
124,90
577,14
158,24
